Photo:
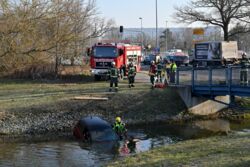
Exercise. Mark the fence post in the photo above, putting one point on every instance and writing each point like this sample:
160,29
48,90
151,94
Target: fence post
177,76
210,79
193,79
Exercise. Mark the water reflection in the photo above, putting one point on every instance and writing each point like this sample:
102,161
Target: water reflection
189,130
69,152
216,126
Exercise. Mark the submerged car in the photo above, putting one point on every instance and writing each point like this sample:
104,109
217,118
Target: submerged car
94,129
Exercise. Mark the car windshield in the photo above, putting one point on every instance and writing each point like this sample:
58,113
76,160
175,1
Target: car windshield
105,51
103,135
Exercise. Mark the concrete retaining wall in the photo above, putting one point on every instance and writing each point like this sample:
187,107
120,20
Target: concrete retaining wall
201,105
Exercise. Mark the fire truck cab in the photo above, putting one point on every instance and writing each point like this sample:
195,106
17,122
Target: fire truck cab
102,55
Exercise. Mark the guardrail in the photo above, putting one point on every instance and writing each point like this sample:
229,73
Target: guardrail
214,81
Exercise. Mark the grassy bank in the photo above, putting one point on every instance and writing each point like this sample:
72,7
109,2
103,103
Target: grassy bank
27,93
232,150
36,107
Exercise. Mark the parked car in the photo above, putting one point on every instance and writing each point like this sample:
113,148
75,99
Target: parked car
147,59
179,57
94,129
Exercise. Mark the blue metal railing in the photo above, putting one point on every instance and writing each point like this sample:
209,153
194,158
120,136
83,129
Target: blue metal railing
214,81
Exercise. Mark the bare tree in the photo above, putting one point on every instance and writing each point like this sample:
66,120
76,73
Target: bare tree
216,12
113,35
243,40
37,31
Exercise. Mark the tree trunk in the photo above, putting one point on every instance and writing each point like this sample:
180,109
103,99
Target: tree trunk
56,66
225,30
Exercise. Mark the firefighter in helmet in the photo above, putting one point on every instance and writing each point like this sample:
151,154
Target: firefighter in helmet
114,75
159,68
244,69
173,69
119,127
131,74
152,73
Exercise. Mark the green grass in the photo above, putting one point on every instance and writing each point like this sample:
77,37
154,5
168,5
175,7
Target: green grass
244,102
24,93
232,150
27,93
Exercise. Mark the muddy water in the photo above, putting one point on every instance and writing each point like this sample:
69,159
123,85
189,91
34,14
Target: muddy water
66,151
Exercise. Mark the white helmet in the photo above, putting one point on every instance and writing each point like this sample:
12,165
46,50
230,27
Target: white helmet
113,63
152,62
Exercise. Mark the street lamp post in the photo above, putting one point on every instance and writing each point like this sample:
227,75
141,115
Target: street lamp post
141,35
156,30
166,36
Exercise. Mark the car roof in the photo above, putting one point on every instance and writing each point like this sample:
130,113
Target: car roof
94,123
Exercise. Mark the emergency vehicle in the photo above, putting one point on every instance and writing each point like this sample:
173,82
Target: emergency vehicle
103,54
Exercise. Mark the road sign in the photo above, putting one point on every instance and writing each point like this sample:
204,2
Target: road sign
198,31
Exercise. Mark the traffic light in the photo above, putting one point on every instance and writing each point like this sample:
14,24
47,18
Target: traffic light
121,29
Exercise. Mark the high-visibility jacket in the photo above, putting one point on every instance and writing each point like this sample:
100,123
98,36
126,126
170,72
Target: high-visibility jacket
119,127
173,67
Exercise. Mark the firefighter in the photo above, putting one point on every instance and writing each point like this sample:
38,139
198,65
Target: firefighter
159,71
131,74
244,69
168,65
152,73
173,69
114,75
119,127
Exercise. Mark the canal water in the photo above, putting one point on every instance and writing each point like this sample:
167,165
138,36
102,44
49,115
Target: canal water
66,151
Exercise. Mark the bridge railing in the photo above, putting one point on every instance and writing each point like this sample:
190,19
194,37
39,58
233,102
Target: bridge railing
211,76
184,76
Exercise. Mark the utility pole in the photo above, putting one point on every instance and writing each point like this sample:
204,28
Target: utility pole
141,35
156,30
166,36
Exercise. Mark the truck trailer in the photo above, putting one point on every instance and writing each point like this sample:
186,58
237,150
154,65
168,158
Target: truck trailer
216,53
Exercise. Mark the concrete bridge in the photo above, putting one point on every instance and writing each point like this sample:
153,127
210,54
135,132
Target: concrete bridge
207,90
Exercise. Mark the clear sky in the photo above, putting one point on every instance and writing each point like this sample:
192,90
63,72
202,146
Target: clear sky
128,12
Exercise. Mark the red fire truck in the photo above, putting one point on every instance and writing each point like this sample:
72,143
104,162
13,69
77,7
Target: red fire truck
102,55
